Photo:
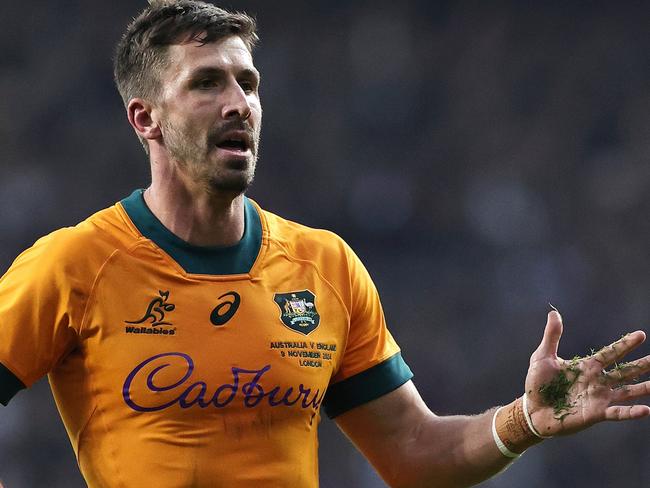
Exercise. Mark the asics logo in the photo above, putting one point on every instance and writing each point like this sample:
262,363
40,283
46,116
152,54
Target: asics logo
223,312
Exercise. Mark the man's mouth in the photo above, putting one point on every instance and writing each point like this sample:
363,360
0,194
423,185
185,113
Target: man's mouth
233,145
238,142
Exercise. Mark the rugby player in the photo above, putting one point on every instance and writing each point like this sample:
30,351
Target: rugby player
191,338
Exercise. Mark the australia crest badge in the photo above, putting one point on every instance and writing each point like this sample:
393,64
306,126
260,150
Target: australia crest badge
298,310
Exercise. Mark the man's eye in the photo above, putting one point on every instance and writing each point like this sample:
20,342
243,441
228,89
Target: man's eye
207,83
247,86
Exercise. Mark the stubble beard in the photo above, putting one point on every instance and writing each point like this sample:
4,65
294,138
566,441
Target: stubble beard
192,152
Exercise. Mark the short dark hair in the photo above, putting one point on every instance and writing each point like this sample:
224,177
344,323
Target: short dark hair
141,55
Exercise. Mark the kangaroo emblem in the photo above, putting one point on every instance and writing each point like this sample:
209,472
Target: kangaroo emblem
156,310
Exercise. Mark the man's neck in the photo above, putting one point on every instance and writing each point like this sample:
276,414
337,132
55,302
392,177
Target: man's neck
198,217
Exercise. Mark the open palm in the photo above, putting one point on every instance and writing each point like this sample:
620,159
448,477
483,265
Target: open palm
565,396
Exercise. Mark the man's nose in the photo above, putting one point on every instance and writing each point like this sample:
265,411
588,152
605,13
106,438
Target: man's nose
236,104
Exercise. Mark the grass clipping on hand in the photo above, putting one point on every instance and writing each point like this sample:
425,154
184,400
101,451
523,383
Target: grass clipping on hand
556,392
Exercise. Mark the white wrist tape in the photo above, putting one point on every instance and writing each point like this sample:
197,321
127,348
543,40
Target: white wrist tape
529,420
497,440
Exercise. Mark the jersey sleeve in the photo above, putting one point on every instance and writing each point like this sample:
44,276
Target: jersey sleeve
39,313
372,364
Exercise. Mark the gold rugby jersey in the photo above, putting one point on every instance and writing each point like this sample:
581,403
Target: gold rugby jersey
179,366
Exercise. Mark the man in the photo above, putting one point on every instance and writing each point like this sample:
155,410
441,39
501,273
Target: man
191,338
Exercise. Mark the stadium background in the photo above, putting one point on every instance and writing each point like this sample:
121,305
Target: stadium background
483,158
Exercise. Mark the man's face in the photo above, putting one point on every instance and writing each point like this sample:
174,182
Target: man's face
210,114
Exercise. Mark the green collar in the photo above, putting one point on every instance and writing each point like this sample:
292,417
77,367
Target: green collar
230,260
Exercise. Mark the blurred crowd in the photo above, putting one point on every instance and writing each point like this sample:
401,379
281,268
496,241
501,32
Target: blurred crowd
484,159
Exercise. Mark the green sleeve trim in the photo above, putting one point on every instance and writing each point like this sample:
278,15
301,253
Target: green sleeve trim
9,385
366,386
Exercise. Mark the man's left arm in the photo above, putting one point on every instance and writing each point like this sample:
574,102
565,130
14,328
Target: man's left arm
411,446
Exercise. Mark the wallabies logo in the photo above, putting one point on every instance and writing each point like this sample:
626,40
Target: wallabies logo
156,311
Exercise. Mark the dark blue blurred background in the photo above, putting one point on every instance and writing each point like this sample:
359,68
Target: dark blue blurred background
483,158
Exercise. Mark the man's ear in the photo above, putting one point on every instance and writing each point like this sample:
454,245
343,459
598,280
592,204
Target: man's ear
139,114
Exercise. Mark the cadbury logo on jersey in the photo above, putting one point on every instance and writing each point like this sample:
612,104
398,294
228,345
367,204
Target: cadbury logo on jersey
164,381
154,317
298,310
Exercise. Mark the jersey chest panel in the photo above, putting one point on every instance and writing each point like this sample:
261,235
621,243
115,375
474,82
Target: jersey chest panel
216,366
194,346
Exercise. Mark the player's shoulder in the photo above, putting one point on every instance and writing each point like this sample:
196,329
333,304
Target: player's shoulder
92,240
304,241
